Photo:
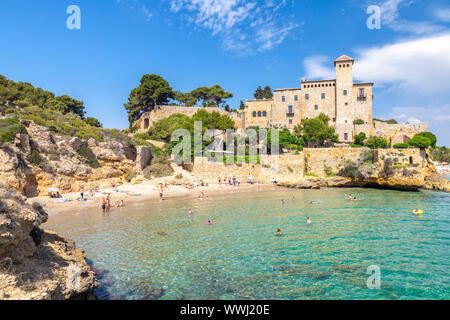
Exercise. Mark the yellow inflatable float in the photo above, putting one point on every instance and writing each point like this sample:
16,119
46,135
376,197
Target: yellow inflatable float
418,212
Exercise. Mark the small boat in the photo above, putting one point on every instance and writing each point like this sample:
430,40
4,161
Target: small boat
418,212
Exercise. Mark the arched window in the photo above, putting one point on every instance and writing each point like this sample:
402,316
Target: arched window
254,113
259,113
264,114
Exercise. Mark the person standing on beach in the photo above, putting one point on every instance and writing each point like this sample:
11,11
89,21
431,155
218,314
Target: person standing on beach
308,221
190,213
82,192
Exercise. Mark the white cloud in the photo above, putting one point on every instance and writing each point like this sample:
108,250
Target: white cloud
422,65
147,13
318,67
443,14
390,16
242,24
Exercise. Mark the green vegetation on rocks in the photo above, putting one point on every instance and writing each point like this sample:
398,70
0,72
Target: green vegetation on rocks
9,128
88,155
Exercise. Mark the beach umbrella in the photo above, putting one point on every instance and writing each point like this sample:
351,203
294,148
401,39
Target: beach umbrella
53,189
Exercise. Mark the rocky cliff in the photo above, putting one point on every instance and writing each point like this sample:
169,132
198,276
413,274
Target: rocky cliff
37,264
38,159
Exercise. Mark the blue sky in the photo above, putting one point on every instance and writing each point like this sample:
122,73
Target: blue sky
237,44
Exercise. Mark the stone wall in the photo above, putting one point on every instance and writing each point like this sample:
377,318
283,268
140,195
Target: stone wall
163,112
286,168
316,160
399,133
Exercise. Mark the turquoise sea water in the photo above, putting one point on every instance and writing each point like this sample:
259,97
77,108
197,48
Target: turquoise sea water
156,245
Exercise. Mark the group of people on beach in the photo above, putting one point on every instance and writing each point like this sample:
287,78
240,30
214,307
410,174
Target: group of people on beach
232,181
106,204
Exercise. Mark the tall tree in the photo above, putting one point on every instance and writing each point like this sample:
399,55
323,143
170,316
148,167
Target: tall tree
73,105
242,105
153,90
211,96
259,93
268,93
186,99
316,132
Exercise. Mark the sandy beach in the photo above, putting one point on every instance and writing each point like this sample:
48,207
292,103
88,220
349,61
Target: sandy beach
144,192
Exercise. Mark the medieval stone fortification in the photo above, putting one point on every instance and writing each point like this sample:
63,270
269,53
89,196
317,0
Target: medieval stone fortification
342,100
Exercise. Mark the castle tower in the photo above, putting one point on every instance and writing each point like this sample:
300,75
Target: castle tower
344,98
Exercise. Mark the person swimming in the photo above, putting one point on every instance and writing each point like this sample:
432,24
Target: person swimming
190,213
209,223
282,201
278,233
308,221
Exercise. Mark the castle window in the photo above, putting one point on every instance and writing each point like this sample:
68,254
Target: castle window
283,98
316,107
334,84
334,119
323,95
290,121
259,113
345,136
296,98
254,114
348,65
264,114
290,109
345,92
361,92
307,96
346,103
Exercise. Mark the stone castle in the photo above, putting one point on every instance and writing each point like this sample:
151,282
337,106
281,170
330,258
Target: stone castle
341,99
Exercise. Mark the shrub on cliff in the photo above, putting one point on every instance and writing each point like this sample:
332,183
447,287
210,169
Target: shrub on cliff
419,141
88,155
93,122
401,145
430,136
358,122
376,143
34,158
158,168
359,138
350,170
9,128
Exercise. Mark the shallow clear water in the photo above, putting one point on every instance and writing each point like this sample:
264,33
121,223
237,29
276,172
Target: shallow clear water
156,245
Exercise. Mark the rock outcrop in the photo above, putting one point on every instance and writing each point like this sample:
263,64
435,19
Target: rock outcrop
37,264
39,160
